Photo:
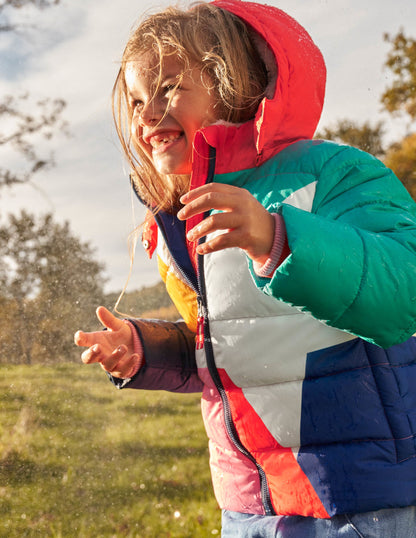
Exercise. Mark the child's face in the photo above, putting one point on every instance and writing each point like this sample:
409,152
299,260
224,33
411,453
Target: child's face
169,106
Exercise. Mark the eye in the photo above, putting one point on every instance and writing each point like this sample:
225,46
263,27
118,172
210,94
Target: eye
170,87
136,104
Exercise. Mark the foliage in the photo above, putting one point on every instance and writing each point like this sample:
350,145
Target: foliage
363,136
400,96
83,459
50,286
401,157
401,61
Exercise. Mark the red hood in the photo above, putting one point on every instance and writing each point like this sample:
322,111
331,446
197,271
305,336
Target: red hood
294,106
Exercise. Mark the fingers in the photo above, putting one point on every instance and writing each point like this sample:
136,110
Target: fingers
110,364
109,348
124,368
229,239
82,339
234,204
214,196
218,221
91,354
108,360
243,221
222,188
108,319
234,233
79,338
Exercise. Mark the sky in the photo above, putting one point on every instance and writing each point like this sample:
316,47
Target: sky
72,51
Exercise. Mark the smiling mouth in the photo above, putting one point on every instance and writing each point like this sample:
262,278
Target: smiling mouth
160,141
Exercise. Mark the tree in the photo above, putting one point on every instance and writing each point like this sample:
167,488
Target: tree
401,61
50,285
7,6
399,97
401,158
363,136
21,128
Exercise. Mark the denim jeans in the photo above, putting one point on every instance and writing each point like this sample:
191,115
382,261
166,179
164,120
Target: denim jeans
389,523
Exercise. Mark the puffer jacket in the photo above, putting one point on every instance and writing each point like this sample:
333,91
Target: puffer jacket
308,378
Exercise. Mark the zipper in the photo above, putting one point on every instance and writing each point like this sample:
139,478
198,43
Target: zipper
200,332
203,339
229,424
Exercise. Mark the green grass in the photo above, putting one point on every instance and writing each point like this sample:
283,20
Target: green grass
79,458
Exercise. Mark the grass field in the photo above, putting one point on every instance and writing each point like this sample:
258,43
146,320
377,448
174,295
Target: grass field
79,458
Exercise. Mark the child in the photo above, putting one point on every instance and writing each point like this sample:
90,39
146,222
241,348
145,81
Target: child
293,264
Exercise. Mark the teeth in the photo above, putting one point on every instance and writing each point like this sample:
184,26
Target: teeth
157,141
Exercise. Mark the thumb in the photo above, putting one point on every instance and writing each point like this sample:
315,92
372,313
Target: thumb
133,365
108,319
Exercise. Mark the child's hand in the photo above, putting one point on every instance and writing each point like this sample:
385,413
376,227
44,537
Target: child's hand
113,348
245,222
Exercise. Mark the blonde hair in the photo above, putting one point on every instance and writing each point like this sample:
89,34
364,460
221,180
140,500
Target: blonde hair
217,42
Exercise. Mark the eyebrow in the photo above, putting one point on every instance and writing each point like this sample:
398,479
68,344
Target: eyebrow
132,96
176,76
171,75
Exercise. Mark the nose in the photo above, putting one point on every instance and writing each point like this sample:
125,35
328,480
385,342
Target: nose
150,113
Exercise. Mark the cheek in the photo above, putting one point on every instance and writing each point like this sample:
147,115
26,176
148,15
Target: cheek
136,136
135,130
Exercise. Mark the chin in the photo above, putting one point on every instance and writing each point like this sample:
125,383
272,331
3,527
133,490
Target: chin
181,170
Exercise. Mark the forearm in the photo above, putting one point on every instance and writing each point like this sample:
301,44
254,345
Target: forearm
351,250
169,358
358,280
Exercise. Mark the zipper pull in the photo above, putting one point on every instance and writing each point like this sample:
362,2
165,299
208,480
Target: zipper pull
199,338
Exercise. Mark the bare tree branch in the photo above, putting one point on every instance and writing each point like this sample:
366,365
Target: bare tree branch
21,129
18,4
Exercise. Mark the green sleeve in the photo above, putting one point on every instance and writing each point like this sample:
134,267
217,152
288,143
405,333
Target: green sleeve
353,258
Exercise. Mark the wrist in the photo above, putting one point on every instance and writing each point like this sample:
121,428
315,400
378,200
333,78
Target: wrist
137,355
278,253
